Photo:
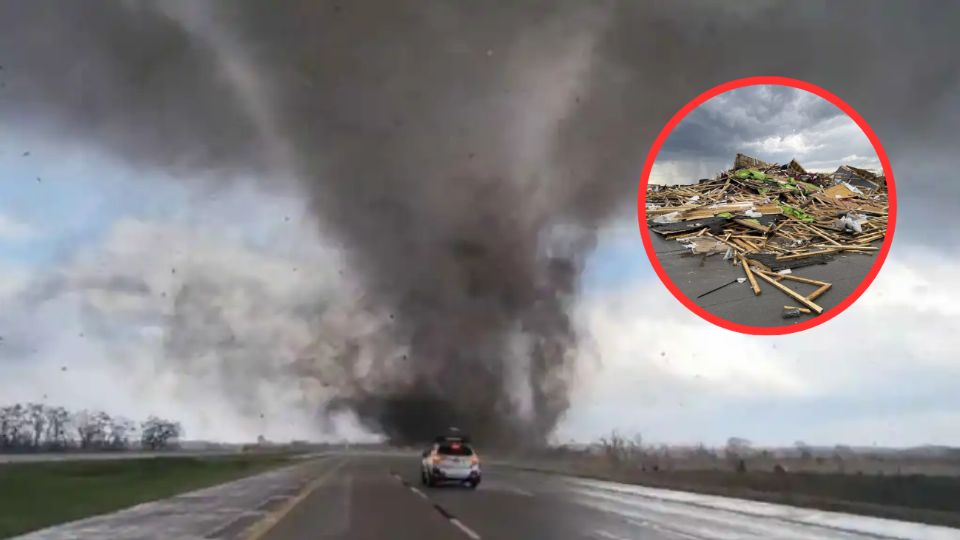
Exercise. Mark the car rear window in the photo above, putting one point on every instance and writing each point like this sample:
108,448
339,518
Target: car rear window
455,450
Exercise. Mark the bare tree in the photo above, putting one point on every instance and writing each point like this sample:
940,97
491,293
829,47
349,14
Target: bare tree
615,448
36,414
35,427
157,433
737,451
57,419
13,427
5,427
702,453
120,430
91,428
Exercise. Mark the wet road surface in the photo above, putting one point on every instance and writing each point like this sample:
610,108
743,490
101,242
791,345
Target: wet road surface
374,497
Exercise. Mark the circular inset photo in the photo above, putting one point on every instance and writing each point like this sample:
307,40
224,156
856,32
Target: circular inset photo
767,205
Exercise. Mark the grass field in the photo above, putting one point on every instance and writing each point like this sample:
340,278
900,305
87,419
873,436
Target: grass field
36,495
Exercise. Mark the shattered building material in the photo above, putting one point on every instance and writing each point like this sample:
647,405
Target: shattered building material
749,273
795,167
743,161
860,178
772,218
790,292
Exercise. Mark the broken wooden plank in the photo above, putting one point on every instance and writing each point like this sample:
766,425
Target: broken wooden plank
808,254
800,279
744,245
790,292
753,281
755,225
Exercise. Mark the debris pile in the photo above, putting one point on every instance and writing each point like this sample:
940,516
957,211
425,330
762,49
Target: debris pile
772,218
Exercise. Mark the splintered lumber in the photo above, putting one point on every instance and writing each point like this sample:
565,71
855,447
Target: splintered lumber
791,293
798,308
819,292
750,278
774,217
746,246
757,265
799,279
808,254
751,225
823,285
819,233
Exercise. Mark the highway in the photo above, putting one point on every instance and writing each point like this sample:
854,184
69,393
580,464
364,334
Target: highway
380,496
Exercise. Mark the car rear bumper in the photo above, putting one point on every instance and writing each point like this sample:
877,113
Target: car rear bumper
451,473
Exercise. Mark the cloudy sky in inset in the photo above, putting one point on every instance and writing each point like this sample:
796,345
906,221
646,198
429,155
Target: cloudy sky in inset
770,122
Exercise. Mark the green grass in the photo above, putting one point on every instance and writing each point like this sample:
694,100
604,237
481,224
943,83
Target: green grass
37,495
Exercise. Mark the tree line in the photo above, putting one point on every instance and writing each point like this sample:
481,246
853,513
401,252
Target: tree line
36,427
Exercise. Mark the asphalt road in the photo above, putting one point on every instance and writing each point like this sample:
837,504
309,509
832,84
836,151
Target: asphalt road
376,497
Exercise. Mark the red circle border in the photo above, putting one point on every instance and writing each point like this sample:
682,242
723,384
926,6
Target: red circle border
881,254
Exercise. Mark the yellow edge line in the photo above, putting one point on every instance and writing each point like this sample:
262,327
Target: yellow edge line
262,527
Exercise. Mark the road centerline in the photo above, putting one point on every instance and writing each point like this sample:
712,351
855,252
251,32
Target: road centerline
441,510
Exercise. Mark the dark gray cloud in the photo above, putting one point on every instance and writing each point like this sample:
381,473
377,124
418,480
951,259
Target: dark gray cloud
443,142
774,123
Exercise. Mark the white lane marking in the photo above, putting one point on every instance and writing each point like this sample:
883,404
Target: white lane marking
456,522
661,528
518,491
466,530
610,535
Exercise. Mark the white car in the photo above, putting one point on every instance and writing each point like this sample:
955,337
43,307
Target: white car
449,460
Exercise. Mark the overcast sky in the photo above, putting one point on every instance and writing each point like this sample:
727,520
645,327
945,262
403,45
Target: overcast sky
884,372
770,122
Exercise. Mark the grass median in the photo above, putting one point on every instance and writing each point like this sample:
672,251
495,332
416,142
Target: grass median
37,495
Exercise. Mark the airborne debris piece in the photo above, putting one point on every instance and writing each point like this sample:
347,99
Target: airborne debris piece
773,218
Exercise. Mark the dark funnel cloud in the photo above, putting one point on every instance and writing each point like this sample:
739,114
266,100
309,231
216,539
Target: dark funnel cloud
463,153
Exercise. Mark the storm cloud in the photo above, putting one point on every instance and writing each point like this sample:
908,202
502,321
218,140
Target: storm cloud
462,154
774,123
